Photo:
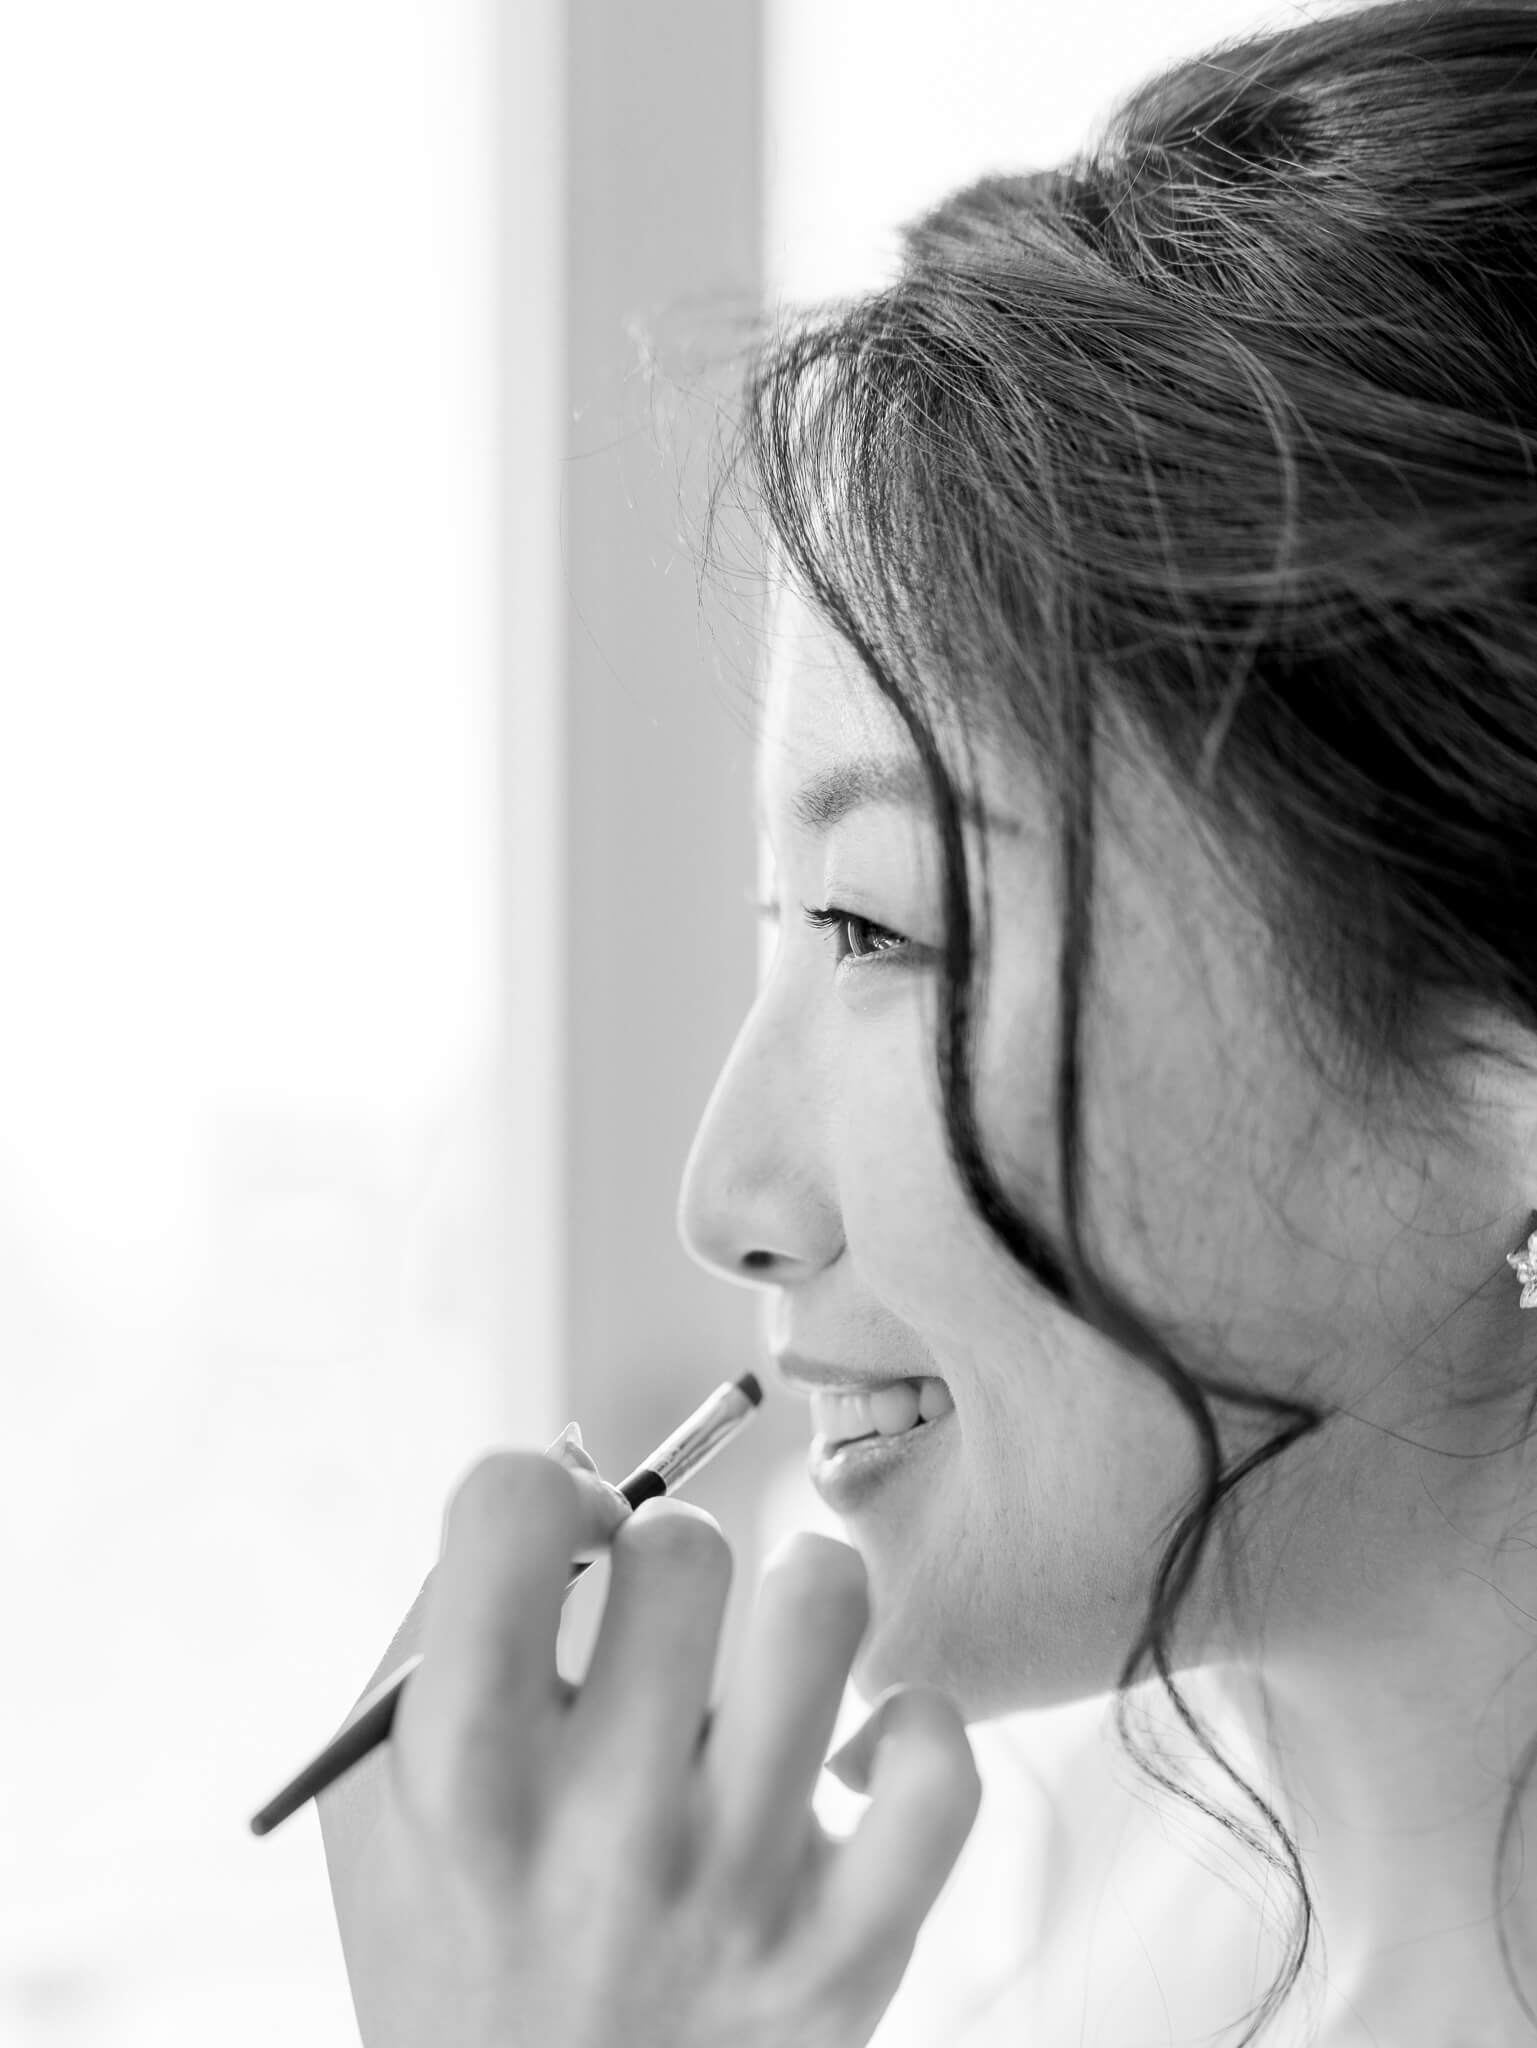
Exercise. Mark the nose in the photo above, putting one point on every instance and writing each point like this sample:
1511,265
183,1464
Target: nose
756,1204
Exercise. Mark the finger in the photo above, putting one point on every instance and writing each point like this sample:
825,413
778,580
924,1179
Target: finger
477,1713
638,1716
405,1644
925,1794
772,1729
605,1506
347,1804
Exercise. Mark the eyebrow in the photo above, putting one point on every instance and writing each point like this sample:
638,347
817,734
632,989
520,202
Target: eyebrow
830,796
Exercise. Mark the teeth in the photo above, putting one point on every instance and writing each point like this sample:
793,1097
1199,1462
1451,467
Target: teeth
893,1409
933,1399
882,1411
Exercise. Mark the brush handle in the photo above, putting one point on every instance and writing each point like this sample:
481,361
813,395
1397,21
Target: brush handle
365,1731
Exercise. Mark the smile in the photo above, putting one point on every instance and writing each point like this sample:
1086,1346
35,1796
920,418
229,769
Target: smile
850,1472
887,1411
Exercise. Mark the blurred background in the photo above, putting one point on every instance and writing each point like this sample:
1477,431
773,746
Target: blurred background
375,833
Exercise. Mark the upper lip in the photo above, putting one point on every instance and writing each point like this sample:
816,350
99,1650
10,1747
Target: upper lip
797,1370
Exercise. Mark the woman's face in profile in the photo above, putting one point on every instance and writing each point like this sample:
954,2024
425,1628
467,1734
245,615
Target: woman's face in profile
1243,1206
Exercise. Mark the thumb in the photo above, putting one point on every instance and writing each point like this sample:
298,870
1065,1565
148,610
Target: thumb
605,1506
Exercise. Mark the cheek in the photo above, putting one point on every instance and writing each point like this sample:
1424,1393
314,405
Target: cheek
919,1246
1022,1576
889,1165
1023,1579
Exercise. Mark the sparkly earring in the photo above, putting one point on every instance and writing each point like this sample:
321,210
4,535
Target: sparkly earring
1525,1263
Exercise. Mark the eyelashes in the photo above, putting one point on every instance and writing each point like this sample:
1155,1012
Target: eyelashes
835,920
863,939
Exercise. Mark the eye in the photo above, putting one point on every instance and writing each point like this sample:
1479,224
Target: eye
864,940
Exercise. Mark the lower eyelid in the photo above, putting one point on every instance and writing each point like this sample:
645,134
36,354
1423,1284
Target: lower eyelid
897,944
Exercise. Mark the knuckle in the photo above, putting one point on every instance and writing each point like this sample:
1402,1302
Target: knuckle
733,1930
510,1488
680,1537
460,1797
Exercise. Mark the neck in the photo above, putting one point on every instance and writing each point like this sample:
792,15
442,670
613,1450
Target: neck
1392,1755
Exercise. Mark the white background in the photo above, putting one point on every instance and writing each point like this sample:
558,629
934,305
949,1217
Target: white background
249,1271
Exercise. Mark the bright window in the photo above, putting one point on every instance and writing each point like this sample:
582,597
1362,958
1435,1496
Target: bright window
246,834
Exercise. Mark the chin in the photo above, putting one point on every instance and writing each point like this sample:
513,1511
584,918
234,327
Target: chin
903,1651
898,1655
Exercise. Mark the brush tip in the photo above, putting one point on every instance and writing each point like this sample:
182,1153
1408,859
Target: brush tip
750,1387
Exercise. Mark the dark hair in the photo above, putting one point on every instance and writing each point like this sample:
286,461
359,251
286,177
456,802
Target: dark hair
1220,438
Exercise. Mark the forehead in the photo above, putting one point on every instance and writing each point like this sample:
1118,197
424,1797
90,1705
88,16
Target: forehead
820,704
829,741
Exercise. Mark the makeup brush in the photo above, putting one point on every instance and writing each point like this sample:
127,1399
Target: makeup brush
678,1457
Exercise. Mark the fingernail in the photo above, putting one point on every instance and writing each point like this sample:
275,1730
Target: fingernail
853,1763
849,1764
570,1450
841,1767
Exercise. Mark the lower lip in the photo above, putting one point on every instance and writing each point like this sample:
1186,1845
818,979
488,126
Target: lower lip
847,1477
